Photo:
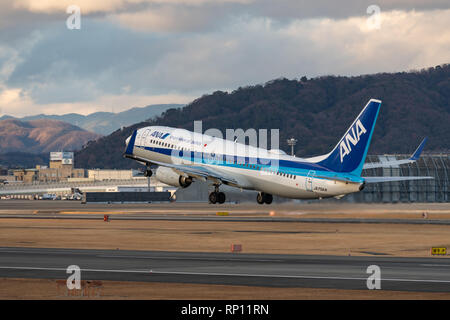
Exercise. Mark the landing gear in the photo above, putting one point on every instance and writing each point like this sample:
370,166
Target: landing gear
216,196
148,172
262,198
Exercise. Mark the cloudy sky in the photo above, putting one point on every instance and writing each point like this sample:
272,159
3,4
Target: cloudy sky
131,53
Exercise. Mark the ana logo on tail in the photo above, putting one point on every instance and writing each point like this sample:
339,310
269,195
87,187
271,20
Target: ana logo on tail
345,146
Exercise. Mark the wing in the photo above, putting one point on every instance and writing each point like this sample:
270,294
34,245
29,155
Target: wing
196,171
414,157
199,172
202,172
392,179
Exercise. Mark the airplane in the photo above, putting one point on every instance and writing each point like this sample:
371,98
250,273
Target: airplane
183,157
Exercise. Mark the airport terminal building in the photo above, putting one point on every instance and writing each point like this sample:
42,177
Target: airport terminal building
432,190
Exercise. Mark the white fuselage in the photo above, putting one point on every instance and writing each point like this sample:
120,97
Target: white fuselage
252,168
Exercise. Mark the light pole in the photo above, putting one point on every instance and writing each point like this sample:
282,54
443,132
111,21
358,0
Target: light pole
292,143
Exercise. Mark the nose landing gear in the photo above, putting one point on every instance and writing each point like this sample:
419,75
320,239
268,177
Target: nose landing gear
148,172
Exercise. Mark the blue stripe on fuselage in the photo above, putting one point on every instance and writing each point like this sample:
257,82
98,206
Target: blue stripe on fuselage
284,166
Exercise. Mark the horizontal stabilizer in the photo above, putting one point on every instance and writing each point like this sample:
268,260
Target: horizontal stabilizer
392,179
394,163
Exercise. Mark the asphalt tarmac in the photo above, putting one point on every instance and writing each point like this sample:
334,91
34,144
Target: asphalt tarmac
188,211
338,272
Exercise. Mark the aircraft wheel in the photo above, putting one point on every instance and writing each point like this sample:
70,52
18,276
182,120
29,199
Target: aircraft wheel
268,198
213,197
148,173
260,198
221,197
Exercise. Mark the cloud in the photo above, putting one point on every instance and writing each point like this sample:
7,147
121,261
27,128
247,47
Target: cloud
174,50
171,19
297,9
184,16
19,103
255,50
89,6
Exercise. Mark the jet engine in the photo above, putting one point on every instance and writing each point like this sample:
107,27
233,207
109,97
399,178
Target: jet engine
170,177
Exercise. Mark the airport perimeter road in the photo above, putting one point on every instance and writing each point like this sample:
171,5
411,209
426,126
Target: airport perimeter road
403,274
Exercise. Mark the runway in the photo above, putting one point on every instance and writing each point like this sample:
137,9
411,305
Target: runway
269,270
304,213
224,219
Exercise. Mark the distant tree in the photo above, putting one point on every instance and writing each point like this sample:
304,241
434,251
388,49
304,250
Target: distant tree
316,112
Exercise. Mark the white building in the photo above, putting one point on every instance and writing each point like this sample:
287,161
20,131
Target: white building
100,174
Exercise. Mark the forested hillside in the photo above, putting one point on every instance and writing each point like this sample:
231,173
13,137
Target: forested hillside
315,111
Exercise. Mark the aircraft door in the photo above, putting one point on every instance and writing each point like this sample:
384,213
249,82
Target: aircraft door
144,135
309,180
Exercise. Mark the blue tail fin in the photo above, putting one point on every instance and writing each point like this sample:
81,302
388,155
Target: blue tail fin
350,153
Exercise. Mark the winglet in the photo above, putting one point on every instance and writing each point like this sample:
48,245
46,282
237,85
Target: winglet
415,156
130,145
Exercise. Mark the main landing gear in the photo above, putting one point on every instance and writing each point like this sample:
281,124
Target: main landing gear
216,196
262,198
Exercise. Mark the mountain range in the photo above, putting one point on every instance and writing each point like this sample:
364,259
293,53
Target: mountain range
315,111
104,123
42,136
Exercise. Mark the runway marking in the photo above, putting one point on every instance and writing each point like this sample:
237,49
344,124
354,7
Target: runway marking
295,276
225,274
98,212
141,257
436,265
206,259
64,269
